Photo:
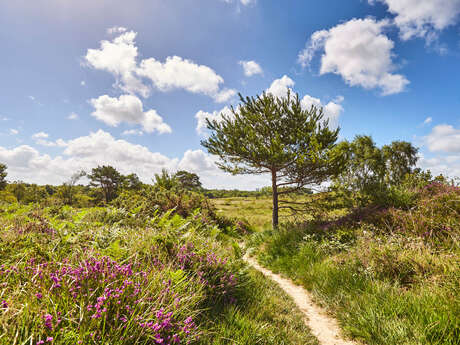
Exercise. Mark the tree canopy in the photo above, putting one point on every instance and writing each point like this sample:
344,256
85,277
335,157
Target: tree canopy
3,175
371,171
108,179
188,180
276,135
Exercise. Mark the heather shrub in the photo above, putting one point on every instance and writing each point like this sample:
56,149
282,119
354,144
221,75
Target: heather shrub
91,276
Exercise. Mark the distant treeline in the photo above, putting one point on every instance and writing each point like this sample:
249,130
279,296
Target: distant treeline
105,184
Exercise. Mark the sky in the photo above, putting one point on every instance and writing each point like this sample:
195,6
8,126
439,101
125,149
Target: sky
130,84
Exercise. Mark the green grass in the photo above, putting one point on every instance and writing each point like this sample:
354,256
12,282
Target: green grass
383,290
252,311
267,316
256,210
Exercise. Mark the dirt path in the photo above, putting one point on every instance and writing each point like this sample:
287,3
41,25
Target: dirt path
323,327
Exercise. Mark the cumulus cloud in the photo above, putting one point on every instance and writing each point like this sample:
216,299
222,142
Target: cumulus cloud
280,87
87,152
41,138
445,165
133,132
332,110
120,58
116,30
14,131
424,19
251,68
201,117
40,135
359,52
444,138
129,109
197,161
179,73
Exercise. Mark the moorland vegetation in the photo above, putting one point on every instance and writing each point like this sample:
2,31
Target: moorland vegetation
107,259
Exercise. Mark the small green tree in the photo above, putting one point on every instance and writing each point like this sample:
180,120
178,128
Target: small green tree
400,159
132,182
108,179
371,172
188,180
166,180
276,135
68,188
3,175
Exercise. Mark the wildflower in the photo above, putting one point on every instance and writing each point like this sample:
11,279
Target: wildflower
48,321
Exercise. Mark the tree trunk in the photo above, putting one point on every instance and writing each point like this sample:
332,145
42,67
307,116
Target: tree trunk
275,201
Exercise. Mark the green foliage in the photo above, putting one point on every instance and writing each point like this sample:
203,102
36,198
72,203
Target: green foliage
3,175
108,179
372,173
107,276
390,275
188,180
267,134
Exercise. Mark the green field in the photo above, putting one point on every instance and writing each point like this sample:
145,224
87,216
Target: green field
256,210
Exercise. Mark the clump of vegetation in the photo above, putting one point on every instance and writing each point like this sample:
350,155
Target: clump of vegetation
110,276
389,274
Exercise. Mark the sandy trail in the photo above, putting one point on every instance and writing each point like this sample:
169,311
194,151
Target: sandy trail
322,326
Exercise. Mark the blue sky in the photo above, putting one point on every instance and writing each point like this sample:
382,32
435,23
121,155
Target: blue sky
129,83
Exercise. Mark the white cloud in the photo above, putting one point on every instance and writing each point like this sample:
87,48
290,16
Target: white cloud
280,87
119,57
133,132
197,161
40,135
83,83
243,2
73,116
41,138
445,165
428,120
116,30
422,18
14,131
129,109
87,152
331,110
444,138
251,68
201,117
359,52
179,73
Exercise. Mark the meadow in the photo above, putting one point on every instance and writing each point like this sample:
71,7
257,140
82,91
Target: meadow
161,264
389,275
108,275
